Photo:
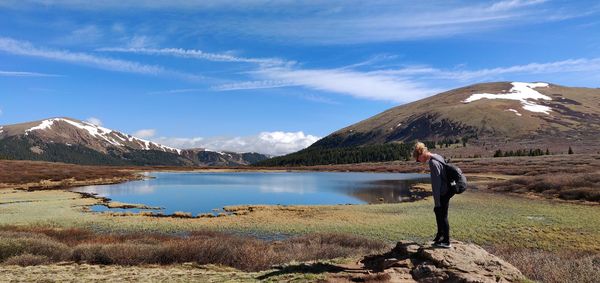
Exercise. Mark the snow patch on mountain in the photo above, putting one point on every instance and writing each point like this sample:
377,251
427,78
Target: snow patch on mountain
515,111
108,135
523,92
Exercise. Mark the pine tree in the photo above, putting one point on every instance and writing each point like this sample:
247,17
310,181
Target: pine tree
498,153
570,150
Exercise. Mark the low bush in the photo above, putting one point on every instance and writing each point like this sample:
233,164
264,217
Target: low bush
27,260
13,244
578,186
552,267
202,247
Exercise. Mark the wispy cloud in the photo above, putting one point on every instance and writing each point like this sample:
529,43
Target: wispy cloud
254,85
379,21
82,35
25,74
512,4
145,133
195,54
25,48
400,85
273,143
94,120
563,66
176,91
346,21
358,84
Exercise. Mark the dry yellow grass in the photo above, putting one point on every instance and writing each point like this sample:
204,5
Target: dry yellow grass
115,273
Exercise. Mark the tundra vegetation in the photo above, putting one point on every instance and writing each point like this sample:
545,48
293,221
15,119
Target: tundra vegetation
539,213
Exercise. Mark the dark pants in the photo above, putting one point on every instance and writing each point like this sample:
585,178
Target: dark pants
441,217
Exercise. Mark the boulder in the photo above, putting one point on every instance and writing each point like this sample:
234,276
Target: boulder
463,262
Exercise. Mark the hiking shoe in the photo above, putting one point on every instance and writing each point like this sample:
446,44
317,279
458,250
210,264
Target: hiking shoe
445,245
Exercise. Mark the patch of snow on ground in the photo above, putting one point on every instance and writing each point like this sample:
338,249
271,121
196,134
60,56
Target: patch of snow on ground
46,124
516,112
523,92
94,130
219,152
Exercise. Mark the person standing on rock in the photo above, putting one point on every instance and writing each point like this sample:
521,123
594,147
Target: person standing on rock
441,193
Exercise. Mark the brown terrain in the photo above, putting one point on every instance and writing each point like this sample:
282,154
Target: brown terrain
75,253
574,120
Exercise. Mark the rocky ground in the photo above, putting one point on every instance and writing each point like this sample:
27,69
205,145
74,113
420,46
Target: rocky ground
411,262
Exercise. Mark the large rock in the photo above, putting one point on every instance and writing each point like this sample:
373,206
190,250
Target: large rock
463,262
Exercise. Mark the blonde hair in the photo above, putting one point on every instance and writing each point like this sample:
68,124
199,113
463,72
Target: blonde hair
420,148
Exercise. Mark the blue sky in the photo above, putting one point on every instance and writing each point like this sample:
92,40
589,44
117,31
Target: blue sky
274,76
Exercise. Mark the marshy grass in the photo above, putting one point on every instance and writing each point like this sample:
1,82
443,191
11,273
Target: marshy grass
42,246
552,267
567,186
181,214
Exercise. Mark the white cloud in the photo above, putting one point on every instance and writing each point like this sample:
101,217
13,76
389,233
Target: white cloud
83,35
25,48
273,143
94,120
512,4
145,133
400,85
563,66
140,41
25,74
335,21
253,85
176,91
195,54
358,84
383,21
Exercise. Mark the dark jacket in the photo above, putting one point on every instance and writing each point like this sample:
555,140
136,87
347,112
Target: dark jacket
438,178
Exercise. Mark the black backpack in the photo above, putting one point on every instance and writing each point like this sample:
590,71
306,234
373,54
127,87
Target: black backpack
456,180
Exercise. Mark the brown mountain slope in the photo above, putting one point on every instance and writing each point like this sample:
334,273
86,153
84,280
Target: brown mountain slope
501,112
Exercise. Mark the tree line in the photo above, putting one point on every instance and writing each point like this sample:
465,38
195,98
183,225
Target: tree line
343,155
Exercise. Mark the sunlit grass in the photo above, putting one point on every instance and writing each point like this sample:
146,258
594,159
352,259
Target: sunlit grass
482,218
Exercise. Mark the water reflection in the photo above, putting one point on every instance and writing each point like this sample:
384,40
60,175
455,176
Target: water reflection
202,192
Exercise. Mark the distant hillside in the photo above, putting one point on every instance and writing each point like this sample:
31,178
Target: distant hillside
476,120
73,141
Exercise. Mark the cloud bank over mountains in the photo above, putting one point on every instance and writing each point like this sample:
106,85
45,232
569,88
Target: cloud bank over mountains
272,143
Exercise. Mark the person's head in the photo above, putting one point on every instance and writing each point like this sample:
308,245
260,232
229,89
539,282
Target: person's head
420,153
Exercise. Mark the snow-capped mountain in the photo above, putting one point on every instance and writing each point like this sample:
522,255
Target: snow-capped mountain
500,115
75,141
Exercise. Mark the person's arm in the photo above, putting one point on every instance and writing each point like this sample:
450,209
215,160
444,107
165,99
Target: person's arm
435,169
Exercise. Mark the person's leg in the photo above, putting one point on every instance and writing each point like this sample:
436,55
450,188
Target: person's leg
439,222
445,226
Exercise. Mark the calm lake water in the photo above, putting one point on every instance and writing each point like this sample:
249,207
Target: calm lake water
205,192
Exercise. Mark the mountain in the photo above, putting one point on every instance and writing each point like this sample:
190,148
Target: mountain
74,141
481,119
226,158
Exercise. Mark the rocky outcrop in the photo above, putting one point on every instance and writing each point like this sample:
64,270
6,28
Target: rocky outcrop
412,262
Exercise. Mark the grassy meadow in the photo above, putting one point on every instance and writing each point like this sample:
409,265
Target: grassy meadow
548,237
